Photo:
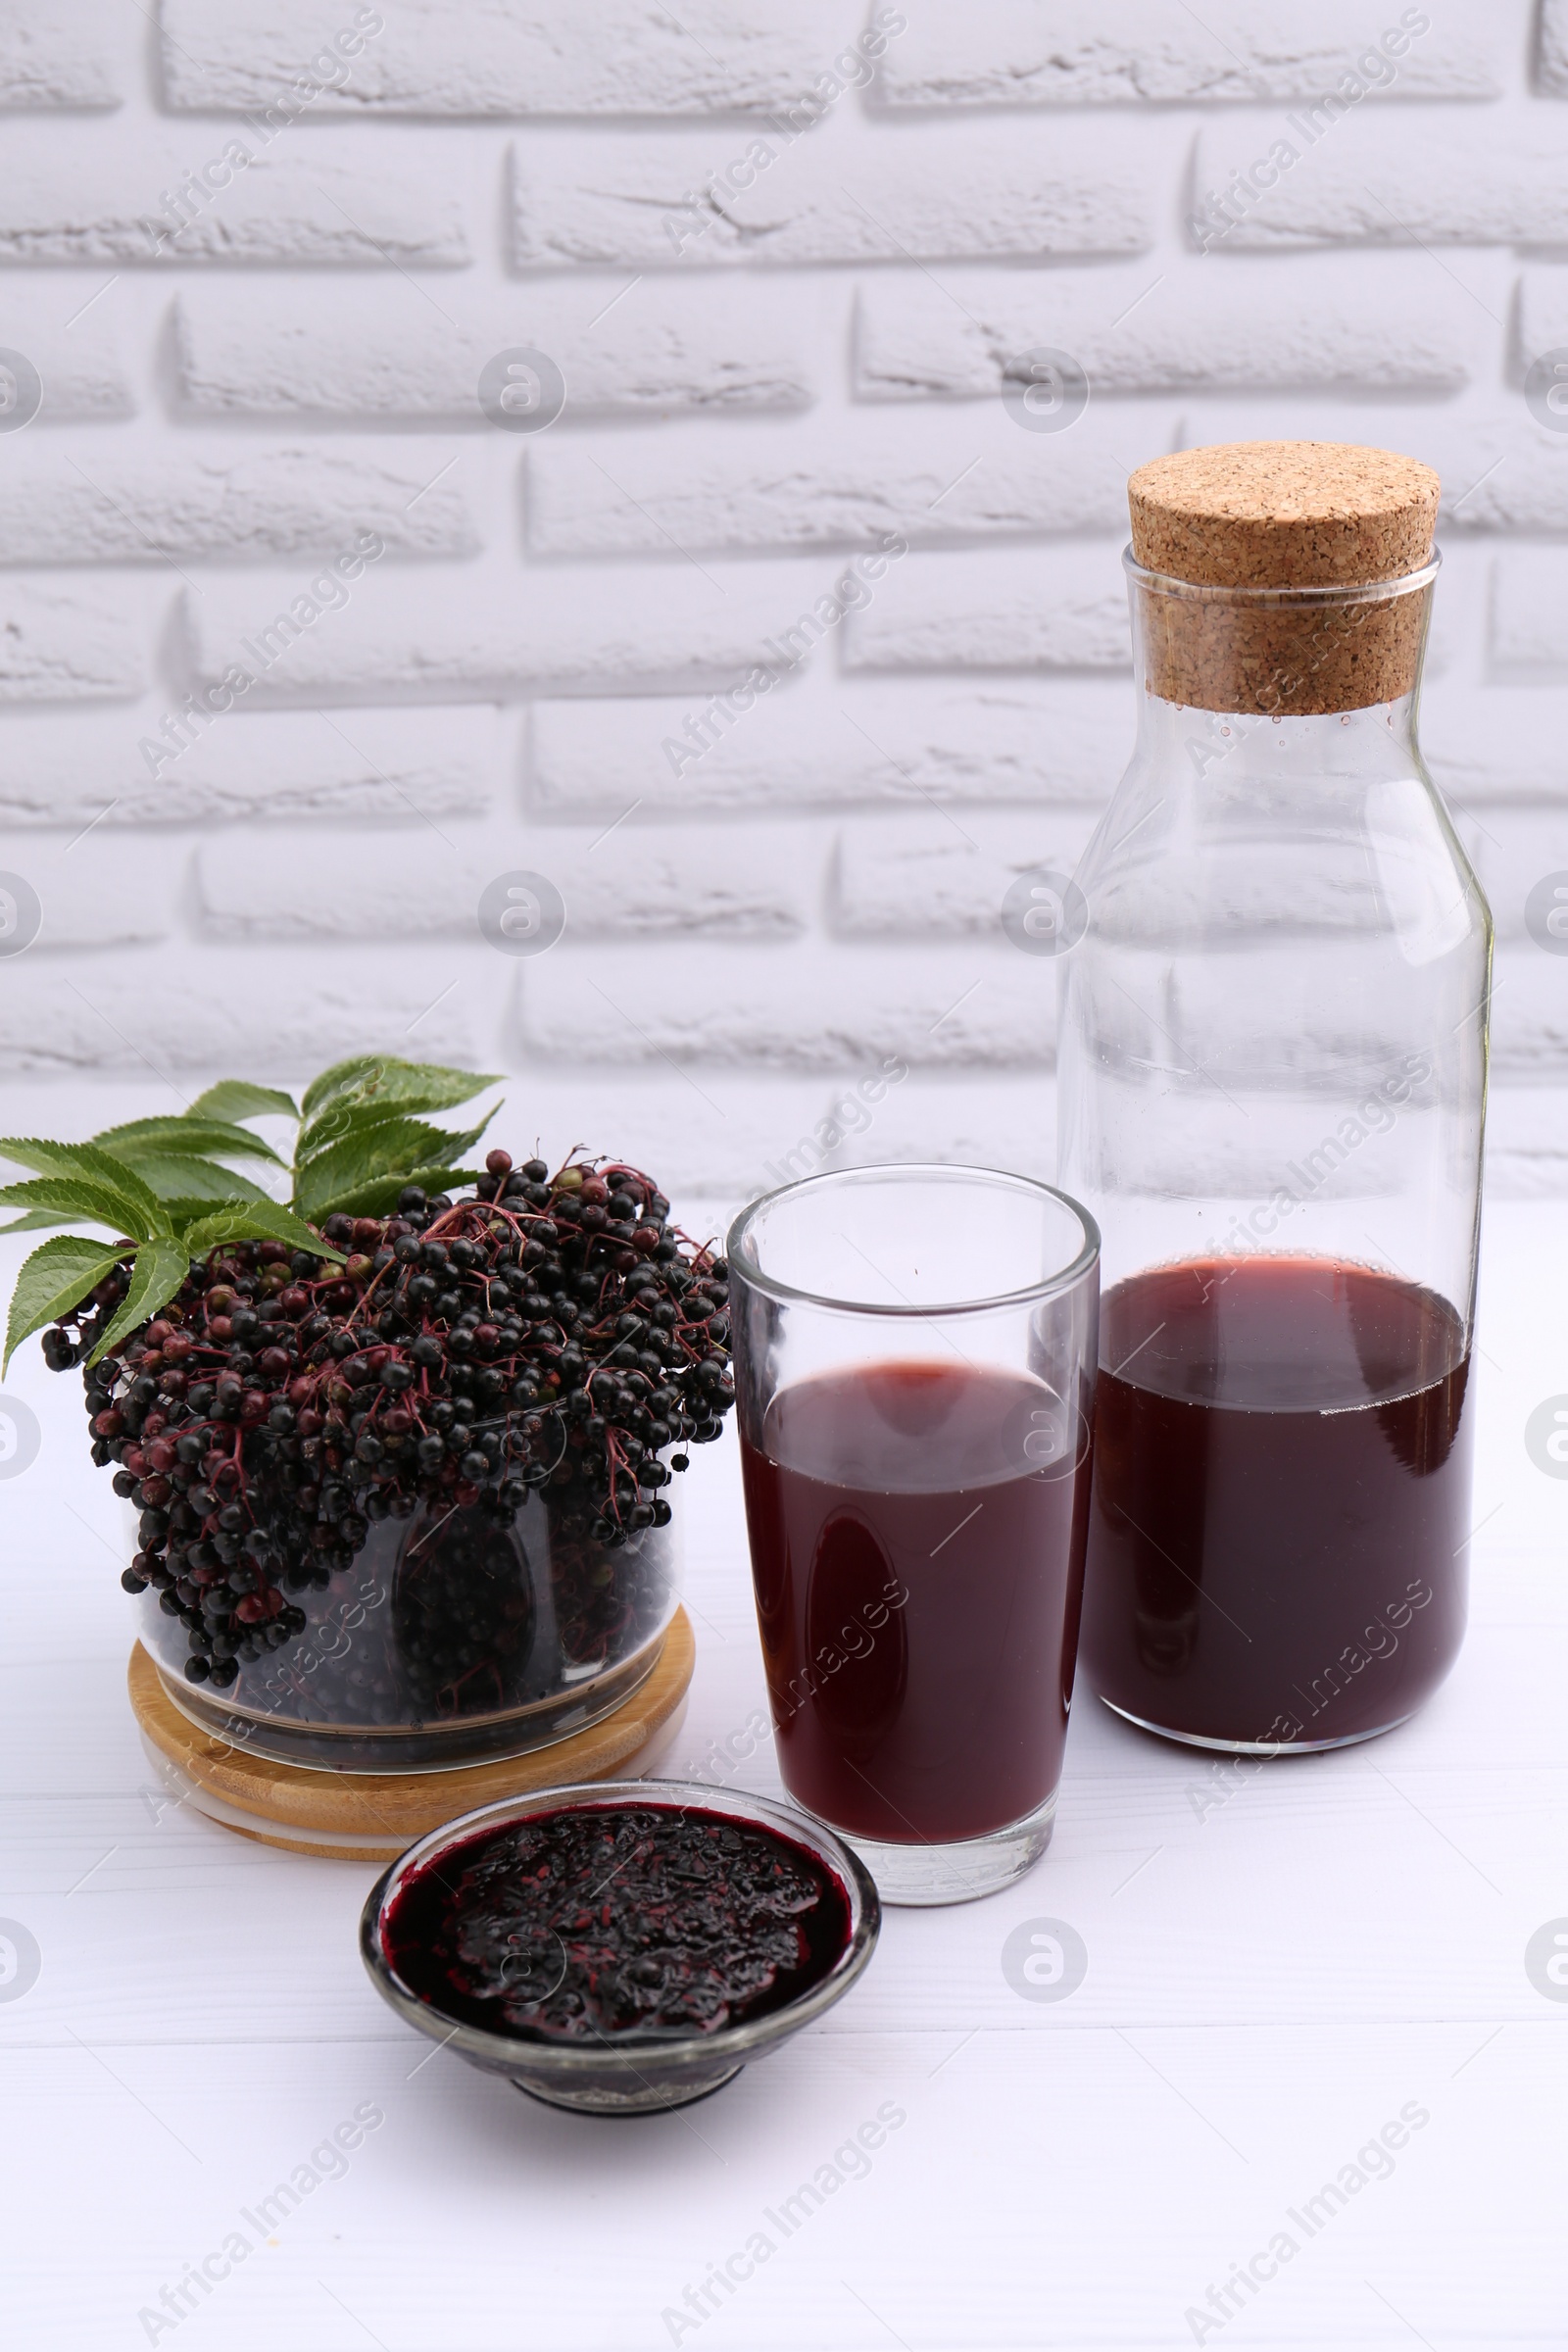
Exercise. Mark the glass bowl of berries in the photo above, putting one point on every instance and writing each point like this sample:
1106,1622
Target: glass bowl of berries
620,1950
399,1451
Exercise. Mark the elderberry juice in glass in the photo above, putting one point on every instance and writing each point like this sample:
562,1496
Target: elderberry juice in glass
914,1358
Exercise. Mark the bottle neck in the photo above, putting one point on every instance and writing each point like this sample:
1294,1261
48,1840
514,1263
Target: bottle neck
1280,683
1233,749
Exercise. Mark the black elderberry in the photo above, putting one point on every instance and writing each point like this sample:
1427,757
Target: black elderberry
537,1354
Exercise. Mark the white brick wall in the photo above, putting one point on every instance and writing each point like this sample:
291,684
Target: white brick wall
1054,53
62,56
1028,608
945,191
100,499
1406,177
292,349
790,262
77,644
933,478
337,196
1250,327
499,57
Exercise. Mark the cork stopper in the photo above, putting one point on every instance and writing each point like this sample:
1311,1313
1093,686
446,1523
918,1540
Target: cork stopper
1262,516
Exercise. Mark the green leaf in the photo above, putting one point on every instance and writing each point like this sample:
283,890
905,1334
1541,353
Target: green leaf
335,1125
181,1179
344,1077
53,1278
341,1119
48,1158
36,1220
412,1085
237,1099
139,1213
362,1122
141,1137
378,1199
250,1221
156,1271
190,1209
74,1199
389,1147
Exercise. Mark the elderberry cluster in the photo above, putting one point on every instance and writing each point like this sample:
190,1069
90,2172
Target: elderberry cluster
550,1332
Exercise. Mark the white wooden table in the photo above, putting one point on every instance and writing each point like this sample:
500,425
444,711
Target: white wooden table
1280,1963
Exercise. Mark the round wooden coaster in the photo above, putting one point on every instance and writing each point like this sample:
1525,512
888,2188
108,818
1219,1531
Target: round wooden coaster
362,1816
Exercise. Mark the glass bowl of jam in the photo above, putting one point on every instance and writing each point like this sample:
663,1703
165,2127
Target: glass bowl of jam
620,1950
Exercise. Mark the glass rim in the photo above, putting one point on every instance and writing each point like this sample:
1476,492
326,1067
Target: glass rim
1047,1286
1320,592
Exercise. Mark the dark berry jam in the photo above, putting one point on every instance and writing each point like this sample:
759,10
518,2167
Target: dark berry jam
644,1920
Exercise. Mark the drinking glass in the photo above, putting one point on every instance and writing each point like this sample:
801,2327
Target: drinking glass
916,1353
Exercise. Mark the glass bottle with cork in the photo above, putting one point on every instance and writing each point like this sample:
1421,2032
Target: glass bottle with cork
1271,1087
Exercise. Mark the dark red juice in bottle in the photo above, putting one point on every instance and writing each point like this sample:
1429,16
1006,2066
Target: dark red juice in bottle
917,1541
1277,1546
